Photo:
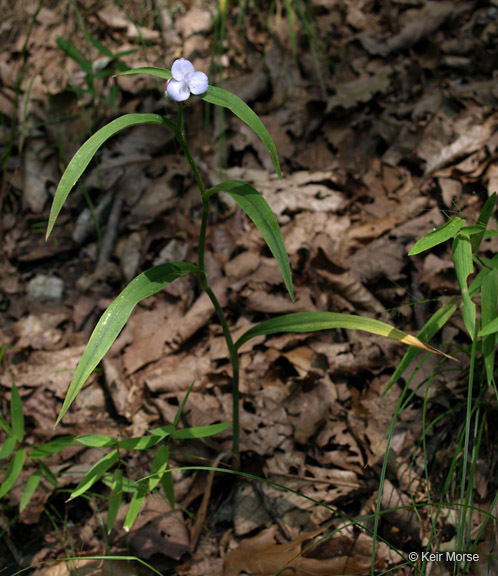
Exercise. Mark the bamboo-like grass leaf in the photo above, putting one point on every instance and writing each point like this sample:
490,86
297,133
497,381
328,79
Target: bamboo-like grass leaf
314,321
490,328
489,314
431,328
115,317
13,471
95,473
151,70
225,99
51,447
140,443
258,210
159,466
16,414
442,234
484,216
200,431
96,440
7,447
87,151
30,488
114,498
135,505
462,260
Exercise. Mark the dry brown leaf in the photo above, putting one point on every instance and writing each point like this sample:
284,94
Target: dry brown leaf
260,555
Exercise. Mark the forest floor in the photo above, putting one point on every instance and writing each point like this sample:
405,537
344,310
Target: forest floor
385,120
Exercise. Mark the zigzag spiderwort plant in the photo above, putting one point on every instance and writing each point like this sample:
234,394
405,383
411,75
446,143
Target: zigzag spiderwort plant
182,81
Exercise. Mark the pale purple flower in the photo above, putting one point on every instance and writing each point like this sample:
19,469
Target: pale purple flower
185,81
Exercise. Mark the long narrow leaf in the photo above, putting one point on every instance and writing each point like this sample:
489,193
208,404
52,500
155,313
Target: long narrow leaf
5,426
159,466
51,447
151,70
87,151
95,473
13,471
135,505
462,259
8,447
31,486
483,219
96,440
115,498
200,431
445,232
431,328
489,313
225,99
258,210
313,321
490,328
16,414
115,317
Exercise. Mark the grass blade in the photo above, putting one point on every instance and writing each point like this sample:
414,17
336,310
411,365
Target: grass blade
200,431
135,505
116,316
95,473
13,471
258,210
31,486
16,414
313,321
87,151
114,498
225,99
462,259
445,232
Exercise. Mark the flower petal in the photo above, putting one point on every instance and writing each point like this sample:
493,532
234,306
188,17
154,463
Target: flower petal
177,91
198,83
181,68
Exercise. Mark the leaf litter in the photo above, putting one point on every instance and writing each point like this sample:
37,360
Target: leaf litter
382,137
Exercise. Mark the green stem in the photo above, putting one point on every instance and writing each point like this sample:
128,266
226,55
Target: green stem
234,357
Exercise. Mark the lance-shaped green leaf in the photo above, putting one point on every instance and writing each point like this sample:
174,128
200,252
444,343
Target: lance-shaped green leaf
87,151
31,486
159,466
95,473
200,431
114,498
7,447
225,99
258,210
135,505
114,318
462,259
140,443
490,328
488,314
13,471
484,216
313,321
96,440
430,329
442,234
151,70
16,414
51,447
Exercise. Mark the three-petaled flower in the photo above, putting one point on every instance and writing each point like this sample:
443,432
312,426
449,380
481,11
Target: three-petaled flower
185,81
